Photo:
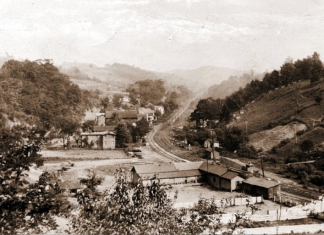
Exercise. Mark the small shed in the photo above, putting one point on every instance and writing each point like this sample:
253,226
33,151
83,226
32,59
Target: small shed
261,187
210,154
213,173
231,181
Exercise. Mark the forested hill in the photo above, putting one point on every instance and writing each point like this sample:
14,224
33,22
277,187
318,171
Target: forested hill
35,92
309,69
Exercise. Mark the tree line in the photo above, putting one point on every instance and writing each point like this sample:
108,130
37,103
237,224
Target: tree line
309,68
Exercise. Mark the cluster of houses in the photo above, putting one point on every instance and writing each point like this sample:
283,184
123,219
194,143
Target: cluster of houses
102,136
220,177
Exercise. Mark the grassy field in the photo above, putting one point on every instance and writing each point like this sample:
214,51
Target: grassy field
82,155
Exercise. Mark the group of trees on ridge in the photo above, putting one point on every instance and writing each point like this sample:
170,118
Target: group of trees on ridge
310,68
35,93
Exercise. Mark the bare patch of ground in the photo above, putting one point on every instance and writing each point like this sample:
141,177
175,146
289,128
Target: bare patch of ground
192,193
81,154
269,138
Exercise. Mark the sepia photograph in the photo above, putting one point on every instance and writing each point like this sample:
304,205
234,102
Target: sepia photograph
161,117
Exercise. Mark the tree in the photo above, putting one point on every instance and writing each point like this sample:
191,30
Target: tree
142,210
207,109
67,128
104,102
26,207
287,72
317,68
88,125
40,94
149,91
307,145
123,135
231,138
115,118
140,129
318,99
158,113
117,100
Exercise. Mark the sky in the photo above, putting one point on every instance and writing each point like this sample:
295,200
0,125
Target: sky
162,35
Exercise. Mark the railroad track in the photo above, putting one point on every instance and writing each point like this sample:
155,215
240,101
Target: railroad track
293,198
303,193
163,140
160,149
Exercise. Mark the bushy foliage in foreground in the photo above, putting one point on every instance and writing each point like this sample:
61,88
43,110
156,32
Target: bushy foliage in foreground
26,207
144,210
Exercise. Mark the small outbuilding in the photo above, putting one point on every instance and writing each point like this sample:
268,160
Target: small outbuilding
268,189
99,140
212,173
231,181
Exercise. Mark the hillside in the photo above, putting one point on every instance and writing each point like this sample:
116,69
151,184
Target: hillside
36,92
121,75
116,74
202,77
276,112
232,84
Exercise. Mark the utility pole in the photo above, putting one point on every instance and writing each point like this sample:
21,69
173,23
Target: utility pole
262,168
213,147
246,122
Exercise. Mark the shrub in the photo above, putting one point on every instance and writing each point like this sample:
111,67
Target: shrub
247,152
283,142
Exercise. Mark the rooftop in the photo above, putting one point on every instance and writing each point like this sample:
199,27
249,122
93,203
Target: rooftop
154,168
183,166
229,175
122,114
103,128
261,182
213,169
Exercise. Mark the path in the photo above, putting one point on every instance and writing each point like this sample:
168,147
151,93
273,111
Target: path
302,228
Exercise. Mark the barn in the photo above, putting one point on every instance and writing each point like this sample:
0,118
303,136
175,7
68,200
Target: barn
268,189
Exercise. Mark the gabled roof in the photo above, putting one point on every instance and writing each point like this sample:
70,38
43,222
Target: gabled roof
103,128
261,182
146,111
183,166
154,168
230,175
123,114
171,174
179,174
95,133
213,169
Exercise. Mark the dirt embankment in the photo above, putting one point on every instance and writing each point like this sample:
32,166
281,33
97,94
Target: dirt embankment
269,138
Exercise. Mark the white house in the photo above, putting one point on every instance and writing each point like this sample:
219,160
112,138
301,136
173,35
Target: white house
160,108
